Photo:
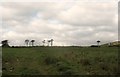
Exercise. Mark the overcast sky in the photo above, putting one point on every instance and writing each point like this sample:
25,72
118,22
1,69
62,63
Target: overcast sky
68,23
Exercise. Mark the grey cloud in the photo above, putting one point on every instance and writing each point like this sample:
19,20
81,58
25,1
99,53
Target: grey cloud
67,23
89,16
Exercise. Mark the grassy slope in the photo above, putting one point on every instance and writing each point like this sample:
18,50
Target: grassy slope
60,61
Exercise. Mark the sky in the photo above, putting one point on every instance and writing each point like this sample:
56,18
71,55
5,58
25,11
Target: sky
67,22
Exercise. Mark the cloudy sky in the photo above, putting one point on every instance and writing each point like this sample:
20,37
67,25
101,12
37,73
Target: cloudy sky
68,23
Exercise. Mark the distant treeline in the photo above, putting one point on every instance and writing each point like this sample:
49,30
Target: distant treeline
30,43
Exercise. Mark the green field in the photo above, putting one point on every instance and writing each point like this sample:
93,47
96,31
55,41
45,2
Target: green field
60,61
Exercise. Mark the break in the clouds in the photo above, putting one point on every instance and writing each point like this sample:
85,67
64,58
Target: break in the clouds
68,23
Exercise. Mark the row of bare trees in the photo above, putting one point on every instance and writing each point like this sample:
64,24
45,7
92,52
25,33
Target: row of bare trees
50,42
28,42
31,43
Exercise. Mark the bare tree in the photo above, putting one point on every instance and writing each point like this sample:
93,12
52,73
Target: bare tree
98,42
49,42
43,42
27,42
32,41
52,42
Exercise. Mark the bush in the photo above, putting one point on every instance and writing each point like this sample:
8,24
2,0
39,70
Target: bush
94,46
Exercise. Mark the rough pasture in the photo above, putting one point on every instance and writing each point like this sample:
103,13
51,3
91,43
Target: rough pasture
60,61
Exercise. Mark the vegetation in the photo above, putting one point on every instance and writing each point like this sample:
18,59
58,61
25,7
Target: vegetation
5,43
60,61
98,42
32,41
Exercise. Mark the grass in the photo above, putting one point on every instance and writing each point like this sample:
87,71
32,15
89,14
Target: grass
60,61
